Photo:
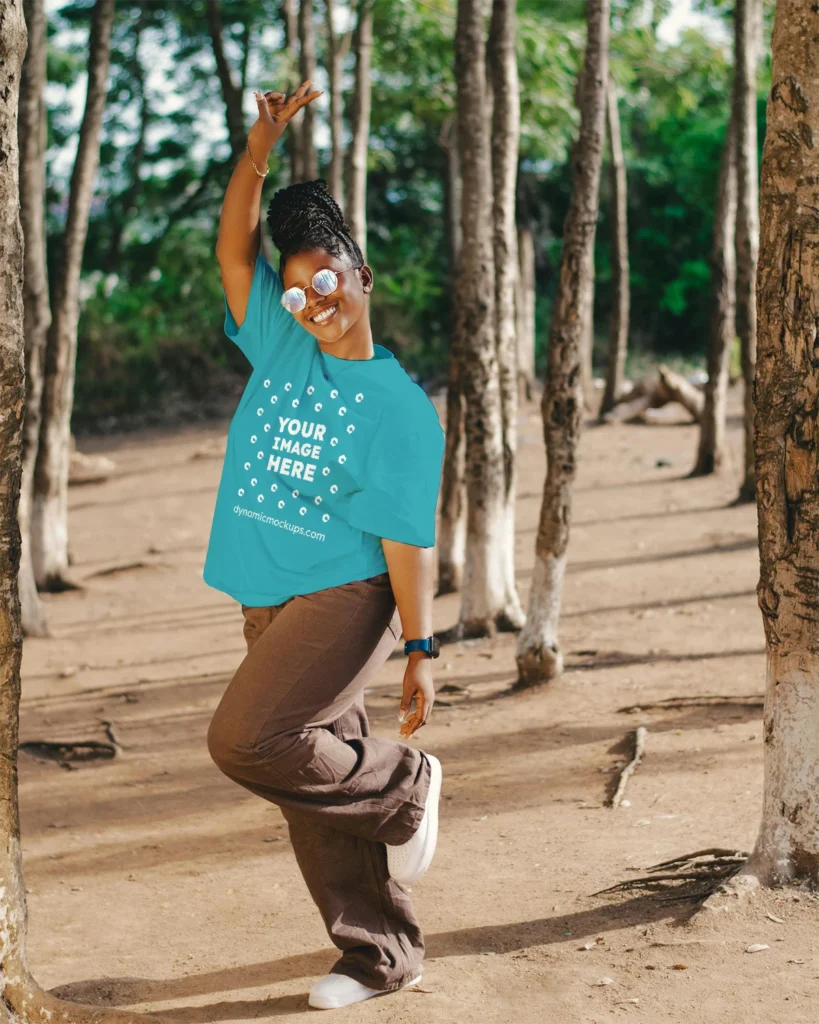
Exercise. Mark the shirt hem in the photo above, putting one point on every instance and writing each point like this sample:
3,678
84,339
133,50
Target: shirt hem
260,599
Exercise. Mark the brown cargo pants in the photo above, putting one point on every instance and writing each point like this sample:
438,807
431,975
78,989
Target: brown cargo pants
291,727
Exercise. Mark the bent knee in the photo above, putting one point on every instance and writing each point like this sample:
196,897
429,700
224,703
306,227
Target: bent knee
227,746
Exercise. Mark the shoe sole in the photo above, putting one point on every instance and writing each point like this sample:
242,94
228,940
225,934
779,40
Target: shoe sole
340,1006
433,799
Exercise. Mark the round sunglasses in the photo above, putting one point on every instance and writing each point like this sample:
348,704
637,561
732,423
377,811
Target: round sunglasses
325,282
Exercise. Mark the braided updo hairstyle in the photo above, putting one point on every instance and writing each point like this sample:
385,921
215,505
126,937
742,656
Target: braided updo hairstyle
305,216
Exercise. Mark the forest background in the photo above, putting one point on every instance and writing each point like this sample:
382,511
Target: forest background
151,347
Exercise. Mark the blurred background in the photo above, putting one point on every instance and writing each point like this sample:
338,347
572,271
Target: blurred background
150,345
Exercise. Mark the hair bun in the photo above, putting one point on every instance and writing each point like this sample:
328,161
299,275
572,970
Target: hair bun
303,211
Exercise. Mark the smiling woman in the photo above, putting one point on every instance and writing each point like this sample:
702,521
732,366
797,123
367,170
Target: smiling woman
323,531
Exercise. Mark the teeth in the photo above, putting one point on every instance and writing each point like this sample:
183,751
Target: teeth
324,315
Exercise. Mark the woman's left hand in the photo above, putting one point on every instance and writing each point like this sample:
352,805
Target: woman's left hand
418,684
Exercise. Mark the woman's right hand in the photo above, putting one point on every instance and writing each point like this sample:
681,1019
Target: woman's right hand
275,110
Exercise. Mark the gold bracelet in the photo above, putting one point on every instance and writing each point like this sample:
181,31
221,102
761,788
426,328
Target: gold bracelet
255,168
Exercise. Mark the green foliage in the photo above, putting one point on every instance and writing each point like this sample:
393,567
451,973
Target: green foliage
151,327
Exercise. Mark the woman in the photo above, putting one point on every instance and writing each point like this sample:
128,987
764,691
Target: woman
323,531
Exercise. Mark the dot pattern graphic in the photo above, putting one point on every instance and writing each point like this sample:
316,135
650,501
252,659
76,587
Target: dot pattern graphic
319,481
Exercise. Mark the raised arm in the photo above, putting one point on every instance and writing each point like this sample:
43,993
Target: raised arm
237,245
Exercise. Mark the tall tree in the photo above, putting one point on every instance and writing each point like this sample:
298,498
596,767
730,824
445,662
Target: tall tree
618,326
503,73
451,538
231,91
786,430
21,999
336,51
49,525
474,348
307,65
722,325
525,293
31,134
539,656
295,132
747,34
355,207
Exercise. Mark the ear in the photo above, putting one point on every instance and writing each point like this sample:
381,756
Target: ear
367,279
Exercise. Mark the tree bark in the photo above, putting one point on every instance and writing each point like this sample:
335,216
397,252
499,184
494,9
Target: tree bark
787,470
49,527
21,999
619,324
747,32
525,295
539,657
334,58
307,65
711,453
451,541
503,72
293,135
31,134
231,93
355,209
474,350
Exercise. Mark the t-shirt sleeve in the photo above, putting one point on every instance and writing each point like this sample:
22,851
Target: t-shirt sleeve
402,477
267,323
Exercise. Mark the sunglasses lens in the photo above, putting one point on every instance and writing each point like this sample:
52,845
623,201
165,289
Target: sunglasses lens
294,300
325,282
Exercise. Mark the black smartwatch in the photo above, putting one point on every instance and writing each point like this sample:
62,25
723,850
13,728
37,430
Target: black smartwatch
430,644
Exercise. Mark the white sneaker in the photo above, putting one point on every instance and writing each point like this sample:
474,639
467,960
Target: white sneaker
409,861
336,990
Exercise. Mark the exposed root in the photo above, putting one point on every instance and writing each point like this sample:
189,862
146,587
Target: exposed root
693,876
67,753
709,700
31,1005
640,735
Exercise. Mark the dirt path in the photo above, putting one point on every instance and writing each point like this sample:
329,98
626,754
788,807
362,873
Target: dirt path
156,883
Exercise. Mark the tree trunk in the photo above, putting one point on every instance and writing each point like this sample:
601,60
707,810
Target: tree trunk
539,656
31,134
786,434
618,328
747,33
293,135
307,65
355,208
451,541
21,1000
525,294
503,72
721,329
334,58
474,350
231,93
49,527
122,210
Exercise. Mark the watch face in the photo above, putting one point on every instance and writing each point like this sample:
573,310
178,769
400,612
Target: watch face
436,647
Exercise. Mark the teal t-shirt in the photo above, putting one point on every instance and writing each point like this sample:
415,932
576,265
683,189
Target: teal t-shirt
325,456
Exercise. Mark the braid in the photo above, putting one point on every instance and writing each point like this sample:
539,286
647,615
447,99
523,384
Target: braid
305,216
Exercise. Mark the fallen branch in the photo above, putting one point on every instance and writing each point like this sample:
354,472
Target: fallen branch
639,748
678,389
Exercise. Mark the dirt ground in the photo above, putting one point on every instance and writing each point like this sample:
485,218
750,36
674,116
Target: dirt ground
156,883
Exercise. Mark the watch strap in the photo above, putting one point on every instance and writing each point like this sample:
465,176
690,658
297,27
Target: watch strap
430,644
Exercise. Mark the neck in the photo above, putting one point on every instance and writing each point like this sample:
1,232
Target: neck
357,343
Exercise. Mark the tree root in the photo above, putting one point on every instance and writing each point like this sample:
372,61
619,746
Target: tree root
29,1004
709,700
693,876
66,753
640,735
